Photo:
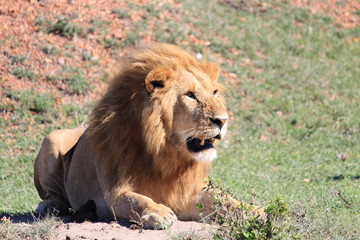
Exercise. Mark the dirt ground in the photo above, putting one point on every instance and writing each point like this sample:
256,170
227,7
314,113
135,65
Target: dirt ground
26,44
345,13
88,230
65,229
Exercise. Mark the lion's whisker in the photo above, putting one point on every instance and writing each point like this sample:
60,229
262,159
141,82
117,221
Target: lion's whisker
189,129
187,138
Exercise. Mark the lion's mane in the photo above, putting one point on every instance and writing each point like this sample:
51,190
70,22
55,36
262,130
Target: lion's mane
129,128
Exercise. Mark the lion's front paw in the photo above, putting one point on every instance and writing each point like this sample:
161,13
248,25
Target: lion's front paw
52,206
158,217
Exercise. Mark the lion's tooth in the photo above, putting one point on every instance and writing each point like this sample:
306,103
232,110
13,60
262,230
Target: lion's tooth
202,142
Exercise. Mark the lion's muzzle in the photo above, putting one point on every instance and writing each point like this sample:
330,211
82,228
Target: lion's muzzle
206,141
198,145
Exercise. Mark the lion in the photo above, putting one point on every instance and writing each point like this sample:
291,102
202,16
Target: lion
150,142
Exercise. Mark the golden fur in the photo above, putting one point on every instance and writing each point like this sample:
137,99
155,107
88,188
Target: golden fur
147,151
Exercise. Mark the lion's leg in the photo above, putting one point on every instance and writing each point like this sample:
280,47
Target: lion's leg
48,178
143,210
49,171
52,206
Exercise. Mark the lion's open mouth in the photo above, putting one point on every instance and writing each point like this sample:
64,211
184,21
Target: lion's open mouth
198,145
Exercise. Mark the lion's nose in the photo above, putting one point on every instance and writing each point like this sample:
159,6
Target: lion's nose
220,122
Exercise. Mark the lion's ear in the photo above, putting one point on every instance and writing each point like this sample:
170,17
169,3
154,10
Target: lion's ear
211,69
158,78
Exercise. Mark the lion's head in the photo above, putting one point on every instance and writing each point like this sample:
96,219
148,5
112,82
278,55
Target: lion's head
191,98
162,103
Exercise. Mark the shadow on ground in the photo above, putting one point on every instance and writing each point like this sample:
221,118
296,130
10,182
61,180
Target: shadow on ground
31,217
115,230
343,177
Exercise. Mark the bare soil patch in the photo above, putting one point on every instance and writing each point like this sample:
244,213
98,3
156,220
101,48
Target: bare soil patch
64,229
88,230
345,12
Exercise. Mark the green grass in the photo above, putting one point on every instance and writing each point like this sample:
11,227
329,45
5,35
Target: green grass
97,24
294,133
75,81
22,72
111,43
121,13
18,59
241,223
65,28
191,235
30,110
50,49
40,107
295,110
40,230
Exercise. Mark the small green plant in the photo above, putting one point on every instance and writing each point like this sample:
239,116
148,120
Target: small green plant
98,25
112,43
42,23
52,77
32,101
18,59
50,49
75,81
22,72
278,208
28,105
172,32
130,39
88,57
77,114
121,13
240,222
64,27
152,10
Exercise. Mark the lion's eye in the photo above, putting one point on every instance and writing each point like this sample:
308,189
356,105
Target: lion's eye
215,93
191,95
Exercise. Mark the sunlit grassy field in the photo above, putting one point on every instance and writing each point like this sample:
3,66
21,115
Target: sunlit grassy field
293,92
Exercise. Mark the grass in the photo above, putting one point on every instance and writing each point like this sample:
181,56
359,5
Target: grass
30,105
22,72
294,131
18,59
239,222
64,27
40,230
191,235
294,110
121,13
75,81
50,49
97,24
